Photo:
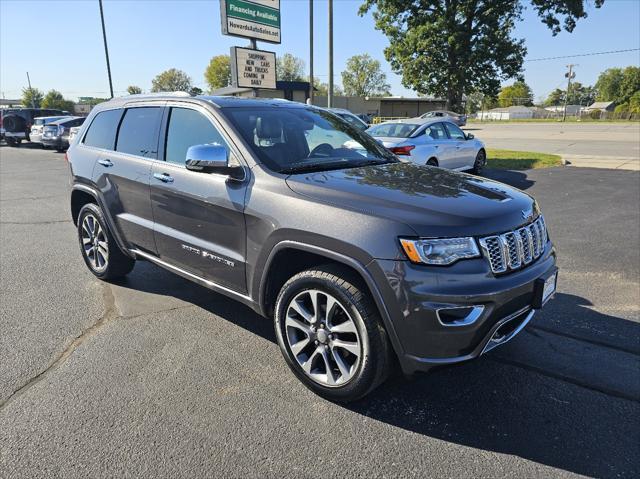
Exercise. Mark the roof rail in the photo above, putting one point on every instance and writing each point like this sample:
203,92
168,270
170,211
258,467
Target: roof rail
161,93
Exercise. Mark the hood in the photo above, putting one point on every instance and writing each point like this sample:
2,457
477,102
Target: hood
433,201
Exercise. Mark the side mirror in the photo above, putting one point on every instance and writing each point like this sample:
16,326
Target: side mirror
211,159
470,136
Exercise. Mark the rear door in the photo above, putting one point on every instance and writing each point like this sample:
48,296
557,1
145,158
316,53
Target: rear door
199,217
122,173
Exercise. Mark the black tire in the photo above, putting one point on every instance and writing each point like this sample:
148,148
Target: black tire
376,354
479,164
432,162
14,142
117,264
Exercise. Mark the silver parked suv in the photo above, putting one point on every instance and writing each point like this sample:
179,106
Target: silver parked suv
362,261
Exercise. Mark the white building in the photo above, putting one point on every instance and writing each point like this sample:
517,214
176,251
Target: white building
508,113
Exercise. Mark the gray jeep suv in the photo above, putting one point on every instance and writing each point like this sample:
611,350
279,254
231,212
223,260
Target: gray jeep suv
362,261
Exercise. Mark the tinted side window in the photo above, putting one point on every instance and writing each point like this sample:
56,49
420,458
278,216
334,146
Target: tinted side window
138,133
102,131
187,128
454,132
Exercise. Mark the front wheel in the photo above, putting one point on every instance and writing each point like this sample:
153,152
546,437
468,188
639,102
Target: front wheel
331,335
479,164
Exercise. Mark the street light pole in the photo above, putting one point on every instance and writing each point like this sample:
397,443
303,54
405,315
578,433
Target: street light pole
106,50
330,89
311,52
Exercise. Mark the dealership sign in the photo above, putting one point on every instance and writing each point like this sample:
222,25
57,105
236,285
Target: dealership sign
259,19
253,68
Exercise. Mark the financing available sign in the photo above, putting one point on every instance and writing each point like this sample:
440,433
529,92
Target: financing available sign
259,19
253,68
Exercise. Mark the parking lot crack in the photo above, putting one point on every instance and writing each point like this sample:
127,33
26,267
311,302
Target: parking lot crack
110,313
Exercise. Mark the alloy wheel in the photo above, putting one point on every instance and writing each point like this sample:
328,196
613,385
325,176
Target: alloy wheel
323,338
94,243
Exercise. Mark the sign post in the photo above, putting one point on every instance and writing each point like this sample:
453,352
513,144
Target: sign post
255,20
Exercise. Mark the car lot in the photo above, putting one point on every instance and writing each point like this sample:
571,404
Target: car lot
156,376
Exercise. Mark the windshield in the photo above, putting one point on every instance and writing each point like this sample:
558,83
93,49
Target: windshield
393,130
289,140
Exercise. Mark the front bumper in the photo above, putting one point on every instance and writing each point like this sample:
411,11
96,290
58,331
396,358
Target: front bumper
416,296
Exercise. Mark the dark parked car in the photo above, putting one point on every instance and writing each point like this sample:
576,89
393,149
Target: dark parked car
362,261
56,134
457,118
15,123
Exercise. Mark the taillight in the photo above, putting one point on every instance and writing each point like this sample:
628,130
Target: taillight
60,130
402,150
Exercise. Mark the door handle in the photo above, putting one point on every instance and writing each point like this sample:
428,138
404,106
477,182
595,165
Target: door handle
164,177
105,162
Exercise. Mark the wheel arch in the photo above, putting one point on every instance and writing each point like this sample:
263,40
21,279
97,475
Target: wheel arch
82,194
288,258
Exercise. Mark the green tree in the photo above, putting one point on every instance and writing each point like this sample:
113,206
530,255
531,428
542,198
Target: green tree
556,97
54,99
617,84
322,88
448,47
289,68
218,72
517,94
608,84
32,97
578,95
171,80
134,90
363,77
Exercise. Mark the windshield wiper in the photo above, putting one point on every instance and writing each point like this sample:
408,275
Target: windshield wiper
316,166
334,165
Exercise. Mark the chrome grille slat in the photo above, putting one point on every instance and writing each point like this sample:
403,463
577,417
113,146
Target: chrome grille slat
515,249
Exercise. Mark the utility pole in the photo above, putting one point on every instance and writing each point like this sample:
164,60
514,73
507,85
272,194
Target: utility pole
33,104
330,89
570,75
311,52
106,50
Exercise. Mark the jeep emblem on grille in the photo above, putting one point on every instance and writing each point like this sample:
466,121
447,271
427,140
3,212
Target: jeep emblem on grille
527,214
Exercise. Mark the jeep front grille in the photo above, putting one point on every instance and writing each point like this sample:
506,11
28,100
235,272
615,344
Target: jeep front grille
515,249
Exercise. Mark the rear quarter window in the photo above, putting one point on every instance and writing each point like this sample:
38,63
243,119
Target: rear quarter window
103,128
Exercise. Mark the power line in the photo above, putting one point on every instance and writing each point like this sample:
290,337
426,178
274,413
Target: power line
583,55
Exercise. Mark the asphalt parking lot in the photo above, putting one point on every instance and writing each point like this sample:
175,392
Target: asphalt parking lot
157,377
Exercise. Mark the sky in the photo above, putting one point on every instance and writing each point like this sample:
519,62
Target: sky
60,43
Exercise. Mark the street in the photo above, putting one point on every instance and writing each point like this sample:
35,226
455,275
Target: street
156,376
603,144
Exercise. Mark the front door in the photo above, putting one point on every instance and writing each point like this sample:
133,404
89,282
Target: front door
199,217
463,150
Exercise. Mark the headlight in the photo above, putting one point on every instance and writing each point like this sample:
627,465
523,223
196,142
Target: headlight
439,251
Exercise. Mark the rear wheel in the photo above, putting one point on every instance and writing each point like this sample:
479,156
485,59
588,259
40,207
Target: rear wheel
432,162
479,164
331,335
99,249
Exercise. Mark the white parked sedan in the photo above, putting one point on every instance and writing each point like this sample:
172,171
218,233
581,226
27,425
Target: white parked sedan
432,142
